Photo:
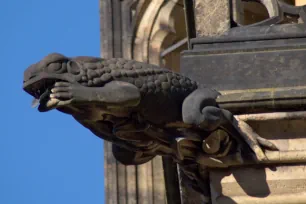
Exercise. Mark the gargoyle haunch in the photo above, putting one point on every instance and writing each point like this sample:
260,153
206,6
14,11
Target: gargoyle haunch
143,109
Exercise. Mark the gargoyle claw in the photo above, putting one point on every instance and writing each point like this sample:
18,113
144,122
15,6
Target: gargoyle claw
267,144
68,93
62,91
254,140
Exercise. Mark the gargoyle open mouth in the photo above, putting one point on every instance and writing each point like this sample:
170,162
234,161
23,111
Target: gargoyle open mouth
40,88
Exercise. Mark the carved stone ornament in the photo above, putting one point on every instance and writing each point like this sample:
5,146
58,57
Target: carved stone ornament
146,110
279,12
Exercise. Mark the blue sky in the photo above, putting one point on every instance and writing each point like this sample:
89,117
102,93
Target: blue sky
45,158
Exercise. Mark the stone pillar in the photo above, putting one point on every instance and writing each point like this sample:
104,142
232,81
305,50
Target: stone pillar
211,19
143,184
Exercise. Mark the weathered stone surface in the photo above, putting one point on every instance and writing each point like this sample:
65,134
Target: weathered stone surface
212,17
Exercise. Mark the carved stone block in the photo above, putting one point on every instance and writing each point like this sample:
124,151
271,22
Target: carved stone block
253,58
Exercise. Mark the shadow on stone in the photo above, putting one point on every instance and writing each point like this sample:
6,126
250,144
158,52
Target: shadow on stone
242,182
253,182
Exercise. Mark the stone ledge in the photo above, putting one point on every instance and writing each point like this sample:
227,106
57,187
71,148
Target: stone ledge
277,185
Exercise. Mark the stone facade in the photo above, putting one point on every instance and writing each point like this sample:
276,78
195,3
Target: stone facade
220,51
154,31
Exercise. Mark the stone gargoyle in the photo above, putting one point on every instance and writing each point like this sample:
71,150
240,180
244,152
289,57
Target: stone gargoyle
143,109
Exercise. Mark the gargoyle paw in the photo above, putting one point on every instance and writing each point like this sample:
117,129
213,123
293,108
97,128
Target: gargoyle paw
62,91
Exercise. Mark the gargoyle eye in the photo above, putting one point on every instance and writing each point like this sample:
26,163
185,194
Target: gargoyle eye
57,67
73,67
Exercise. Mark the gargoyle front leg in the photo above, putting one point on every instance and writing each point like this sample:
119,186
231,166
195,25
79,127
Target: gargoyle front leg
200,108
113,94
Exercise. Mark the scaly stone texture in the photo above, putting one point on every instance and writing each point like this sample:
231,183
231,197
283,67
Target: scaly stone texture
212,17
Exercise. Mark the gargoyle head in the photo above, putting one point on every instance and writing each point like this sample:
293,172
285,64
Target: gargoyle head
41,76
54,67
